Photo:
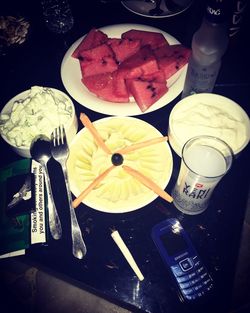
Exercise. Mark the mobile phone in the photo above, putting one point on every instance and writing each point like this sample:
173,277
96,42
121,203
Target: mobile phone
180,256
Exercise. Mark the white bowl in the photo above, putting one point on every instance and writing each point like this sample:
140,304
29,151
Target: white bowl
71,124
208,114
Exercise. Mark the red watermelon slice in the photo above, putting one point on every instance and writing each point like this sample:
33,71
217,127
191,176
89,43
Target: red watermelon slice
158,77
105,65
143,62
96,53
102,86
124,48
120,87
153,39
97,60
94,38
146,93
172,58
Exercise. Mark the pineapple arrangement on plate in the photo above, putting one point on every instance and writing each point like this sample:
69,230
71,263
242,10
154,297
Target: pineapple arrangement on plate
118,191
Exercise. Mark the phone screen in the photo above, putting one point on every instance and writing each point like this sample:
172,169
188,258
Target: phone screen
173,243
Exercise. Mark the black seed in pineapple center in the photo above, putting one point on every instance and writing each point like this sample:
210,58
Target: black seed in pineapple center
117,159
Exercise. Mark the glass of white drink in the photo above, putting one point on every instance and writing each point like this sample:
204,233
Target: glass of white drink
205,160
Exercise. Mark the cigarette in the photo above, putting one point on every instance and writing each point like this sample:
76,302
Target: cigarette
125,251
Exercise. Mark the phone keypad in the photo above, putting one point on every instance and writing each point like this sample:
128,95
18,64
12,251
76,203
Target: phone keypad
192,277
186,264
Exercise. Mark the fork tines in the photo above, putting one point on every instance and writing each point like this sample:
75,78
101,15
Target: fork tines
59,135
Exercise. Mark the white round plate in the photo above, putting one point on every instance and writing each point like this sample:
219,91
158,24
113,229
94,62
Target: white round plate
71,78
118,192
144,8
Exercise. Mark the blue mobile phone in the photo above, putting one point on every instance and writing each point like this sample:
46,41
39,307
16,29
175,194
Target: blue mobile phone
180,256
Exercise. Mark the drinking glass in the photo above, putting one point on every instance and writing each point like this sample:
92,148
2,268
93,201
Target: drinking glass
57,15
205,160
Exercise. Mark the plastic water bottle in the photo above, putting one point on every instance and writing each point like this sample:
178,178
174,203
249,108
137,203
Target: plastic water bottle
209,43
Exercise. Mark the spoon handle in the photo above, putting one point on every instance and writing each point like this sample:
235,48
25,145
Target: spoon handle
54,221
78,246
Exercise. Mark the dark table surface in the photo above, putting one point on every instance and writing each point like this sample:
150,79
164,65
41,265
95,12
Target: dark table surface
215,233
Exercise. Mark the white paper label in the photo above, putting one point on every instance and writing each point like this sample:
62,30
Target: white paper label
38,226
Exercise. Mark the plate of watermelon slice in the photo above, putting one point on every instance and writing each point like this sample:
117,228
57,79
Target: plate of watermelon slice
125,69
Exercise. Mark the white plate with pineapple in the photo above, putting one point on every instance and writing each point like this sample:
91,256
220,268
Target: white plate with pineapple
118,192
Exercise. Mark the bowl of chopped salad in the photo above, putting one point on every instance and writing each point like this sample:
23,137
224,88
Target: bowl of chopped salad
37,111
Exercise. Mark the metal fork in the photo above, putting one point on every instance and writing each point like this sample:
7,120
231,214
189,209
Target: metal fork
60,152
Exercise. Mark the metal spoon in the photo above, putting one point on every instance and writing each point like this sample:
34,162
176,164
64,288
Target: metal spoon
40,152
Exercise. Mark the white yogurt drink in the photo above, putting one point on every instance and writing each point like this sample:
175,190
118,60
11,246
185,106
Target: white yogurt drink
205,160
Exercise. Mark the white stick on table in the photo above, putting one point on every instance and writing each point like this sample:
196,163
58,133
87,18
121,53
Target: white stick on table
125,251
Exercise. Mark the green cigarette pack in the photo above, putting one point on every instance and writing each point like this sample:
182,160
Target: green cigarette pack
16,204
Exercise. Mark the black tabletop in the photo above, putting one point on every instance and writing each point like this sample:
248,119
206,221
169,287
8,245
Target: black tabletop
215,233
